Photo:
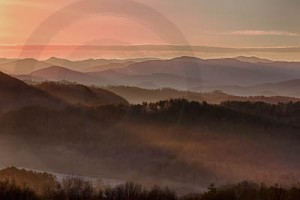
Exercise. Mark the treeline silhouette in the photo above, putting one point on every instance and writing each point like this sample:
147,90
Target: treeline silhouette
49,123
32,179
260,113
281,113
173,110
79,189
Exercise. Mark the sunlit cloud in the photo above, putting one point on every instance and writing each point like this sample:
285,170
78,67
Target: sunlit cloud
262,33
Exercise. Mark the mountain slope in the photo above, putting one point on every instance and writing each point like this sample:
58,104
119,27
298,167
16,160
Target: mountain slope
29,78
286,88
6,60
80,94
138,95
16,94
83,65
23,66
56,73
108,66
155,80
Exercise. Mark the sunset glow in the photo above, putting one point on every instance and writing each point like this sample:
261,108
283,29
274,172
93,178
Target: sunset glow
234,24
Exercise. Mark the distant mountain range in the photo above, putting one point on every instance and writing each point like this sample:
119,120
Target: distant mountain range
92,64
29,65
253,59
215,71
238,76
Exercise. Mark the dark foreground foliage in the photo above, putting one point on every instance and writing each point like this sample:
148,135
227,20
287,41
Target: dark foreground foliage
78,189
9,191
284,114
71,123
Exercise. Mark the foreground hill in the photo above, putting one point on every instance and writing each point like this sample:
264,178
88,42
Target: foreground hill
138,95
176,143
24,178
16,94
80,94
73,188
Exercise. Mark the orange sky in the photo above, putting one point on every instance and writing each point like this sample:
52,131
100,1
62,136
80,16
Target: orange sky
190,22
21,19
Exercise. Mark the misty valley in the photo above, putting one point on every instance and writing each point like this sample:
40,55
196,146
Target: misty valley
60,121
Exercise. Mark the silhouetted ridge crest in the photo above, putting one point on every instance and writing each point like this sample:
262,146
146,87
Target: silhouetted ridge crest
16,94
80,94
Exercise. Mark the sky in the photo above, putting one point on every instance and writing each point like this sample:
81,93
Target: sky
256,24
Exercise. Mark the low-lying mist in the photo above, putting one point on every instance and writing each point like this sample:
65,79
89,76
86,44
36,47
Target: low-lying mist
181,144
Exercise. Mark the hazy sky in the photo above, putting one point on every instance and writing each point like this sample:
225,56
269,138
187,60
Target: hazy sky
217,23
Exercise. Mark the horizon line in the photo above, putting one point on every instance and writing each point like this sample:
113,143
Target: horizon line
154,47
154,58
